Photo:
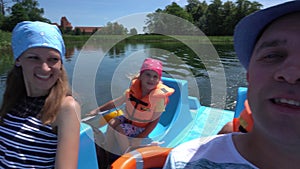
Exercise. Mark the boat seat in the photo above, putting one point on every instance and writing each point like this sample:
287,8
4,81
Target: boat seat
171,109
174,99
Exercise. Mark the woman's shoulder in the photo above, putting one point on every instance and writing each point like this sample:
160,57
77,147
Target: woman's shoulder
70,103
69,99
70,109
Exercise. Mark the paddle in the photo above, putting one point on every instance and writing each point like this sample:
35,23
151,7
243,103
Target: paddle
99,113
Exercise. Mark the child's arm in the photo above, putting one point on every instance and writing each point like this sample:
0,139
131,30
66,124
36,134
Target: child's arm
109,105
148,128
145,133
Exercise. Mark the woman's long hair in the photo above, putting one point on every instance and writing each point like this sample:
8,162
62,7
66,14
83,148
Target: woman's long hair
16,90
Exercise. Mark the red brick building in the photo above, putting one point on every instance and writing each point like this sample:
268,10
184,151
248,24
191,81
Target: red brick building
88,30
66,25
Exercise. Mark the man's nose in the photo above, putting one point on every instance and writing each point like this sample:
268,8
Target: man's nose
289,73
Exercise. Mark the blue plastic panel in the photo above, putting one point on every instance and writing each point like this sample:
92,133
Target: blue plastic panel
241,97
87,151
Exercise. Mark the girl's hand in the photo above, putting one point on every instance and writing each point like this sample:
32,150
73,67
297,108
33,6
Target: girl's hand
92,113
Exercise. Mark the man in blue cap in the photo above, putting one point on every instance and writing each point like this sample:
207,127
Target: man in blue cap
267,44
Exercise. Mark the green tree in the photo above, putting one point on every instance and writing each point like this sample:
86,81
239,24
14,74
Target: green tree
113,29
18,14
220,19
176,10
2,19
24,10
133,31
119,29
199,15
168,21
244,8
153,22
193,9
2,8
77,31
214,18
229,21
67,30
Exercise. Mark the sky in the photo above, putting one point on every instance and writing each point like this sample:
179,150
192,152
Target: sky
100,12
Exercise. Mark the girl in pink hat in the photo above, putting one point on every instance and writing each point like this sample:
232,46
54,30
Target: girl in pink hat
145,100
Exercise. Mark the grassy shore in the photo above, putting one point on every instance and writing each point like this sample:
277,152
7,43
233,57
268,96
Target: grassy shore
157,38
5,38
149,38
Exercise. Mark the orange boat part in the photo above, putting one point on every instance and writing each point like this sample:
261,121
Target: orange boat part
146,157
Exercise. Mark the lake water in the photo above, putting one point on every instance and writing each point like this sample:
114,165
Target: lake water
99,72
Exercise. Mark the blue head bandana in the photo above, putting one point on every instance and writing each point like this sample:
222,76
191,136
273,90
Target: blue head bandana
28,34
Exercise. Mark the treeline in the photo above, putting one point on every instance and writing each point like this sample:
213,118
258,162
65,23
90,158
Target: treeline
214,19
116,29
30,10
111,28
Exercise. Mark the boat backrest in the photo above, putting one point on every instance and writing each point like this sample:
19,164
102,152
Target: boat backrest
87,158
174,99
241,97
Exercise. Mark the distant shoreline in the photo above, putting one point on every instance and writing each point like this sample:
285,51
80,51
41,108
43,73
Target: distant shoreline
6,38
148,38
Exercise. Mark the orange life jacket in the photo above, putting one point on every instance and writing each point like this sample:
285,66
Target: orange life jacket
140,109
243,123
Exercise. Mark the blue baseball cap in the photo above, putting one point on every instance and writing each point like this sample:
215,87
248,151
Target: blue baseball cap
29,34
248,30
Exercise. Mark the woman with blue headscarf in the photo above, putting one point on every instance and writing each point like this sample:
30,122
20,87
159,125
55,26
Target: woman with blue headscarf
39,118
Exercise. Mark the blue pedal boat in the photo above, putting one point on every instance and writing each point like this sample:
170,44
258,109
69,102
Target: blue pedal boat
185,119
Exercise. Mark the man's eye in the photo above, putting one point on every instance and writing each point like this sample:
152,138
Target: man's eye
271,57
54,59
33,57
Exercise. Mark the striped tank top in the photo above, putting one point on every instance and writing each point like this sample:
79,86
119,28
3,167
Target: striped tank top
24,141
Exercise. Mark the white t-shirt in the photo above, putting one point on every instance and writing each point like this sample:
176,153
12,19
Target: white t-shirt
215,152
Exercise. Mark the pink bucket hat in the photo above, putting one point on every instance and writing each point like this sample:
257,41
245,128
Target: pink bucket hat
152,64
